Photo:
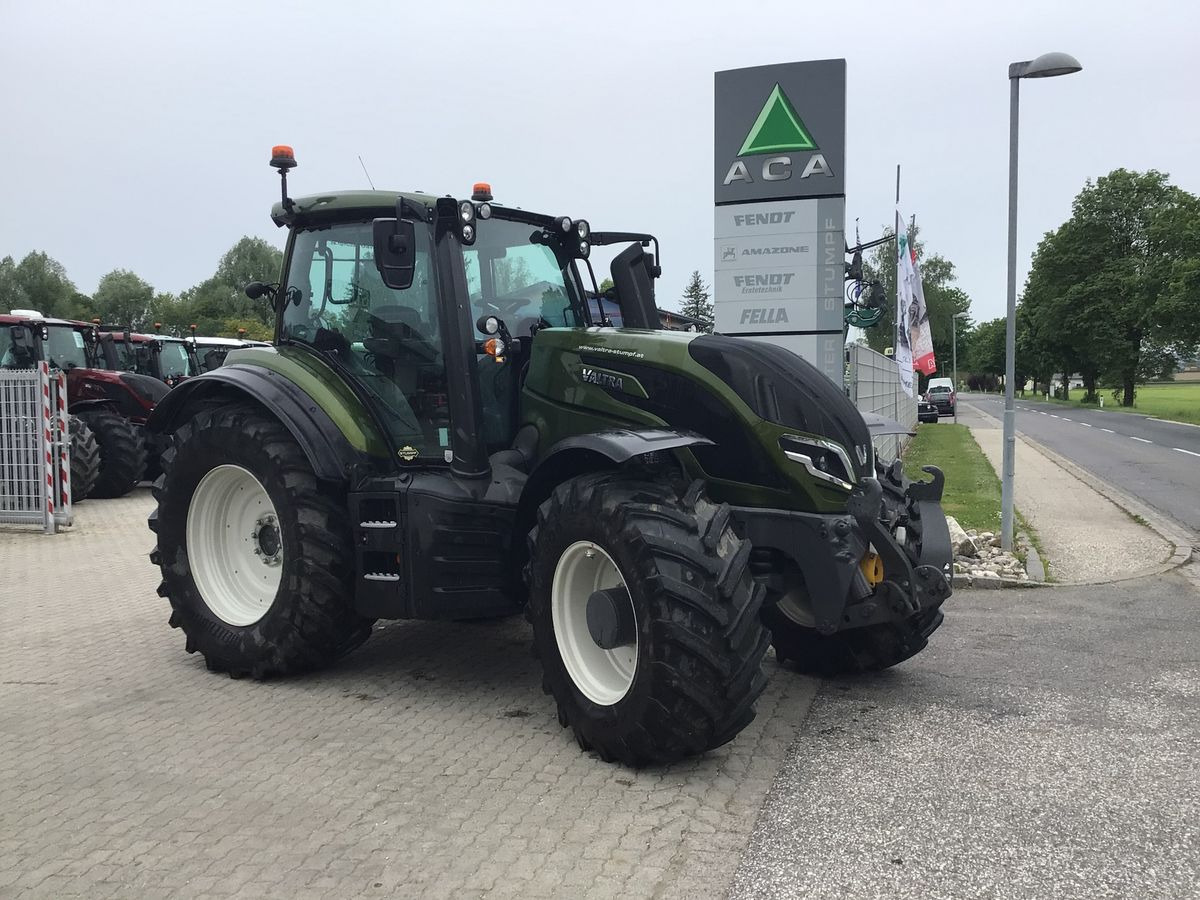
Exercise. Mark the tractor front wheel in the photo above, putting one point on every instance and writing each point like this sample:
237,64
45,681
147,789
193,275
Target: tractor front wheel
255,552
122,453
645,617
850,652
85,459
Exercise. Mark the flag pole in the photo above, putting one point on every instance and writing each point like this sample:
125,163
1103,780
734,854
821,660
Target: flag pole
896,332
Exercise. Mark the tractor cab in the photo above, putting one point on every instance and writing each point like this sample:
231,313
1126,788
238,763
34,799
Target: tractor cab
167,359
27,337
432,308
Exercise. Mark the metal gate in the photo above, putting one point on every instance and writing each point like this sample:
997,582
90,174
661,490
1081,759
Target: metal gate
35,441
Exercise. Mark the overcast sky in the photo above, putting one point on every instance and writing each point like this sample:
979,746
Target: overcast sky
136,134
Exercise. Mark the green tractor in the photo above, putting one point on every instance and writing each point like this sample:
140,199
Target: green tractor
442,431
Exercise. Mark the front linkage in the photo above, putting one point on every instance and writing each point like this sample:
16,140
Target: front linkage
873,578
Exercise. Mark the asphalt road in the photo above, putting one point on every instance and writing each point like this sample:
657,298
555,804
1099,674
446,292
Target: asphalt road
1044,745
1154,460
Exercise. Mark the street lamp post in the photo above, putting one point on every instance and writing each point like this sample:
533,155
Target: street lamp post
954,355
1047,65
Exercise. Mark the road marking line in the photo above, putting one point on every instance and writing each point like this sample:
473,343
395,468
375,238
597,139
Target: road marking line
1172,422
1065,419
1188,452
1143,440
1053,416
1085,424
1109,430
1041,412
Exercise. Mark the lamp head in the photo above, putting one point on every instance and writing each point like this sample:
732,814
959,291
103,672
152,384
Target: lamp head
1048,65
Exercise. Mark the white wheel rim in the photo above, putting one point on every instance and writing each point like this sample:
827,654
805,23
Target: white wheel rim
234,546
603,676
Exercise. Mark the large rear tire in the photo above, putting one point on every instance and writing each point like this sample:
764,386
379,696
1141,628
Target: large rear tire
681,665
851,652
256,554
85,459
122,453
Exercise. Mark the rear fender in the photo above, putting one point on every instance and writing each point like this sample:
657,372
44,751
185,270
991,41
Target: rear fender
330,454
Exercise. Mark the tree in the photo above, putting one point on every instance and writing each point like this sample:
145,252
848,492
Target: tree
37,282
606,285
12,292
222,296
985,348
696,299
251,329
123,298
1121,275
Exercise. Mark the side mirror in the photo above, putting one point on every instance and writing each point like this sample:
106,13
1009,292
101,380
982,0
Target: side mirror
20,336
633,277
395,252
256,289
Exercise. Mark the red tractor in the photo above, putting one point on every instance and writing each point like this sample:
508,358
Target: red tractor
110,408
169,359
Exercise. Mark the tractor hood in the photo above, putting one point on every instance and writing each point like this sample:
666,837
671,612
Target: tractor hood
783,388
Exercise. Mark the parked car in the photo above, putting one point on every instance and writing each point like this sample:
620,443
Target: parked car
927,411
943,397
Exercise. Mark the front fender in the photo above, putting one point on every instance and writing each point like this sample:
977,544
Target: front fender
330,454
590,452
620,445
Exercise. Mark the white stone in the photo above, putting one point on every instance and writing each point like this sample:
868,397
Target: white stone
959,539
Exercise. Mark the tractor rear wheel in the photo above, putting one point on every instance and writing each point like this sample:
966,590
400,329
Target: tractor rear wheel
85,459
849,652
256,554
645,617
122,453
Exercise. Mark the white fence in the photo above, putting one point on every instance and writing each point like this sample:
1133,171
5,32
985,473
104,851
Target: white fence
873,383
35,463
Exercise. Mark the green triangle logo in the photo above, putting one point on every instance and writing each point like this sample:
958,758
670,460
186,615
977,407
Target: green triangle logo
777,128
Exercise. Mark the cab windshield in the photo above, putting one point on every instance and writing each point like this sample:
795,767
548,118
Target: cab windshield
211,356
521,282
131,356
65,348
8,354
174,360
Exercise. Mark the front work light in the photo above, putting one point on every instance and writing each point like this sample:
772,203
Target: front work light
583,229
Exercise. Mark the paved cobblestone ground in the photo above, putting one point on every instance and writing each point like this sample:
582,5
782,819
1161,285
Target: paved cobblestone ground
428,763
1044,746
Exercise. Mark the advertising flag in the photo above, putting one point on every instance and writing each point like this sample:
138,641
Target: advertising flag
921,340
904,301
